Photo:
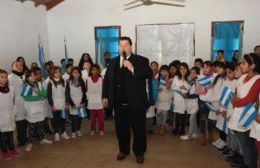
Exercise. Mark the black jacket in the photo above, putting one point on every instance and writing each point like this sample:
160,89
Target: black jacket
136,82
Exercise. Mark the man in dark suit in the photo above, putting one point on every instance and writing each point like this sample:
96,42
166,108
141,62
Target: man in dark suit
124,88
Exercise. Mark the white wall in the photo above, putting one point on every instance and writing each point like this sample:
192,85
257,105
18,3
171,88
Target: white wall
20,27
76,19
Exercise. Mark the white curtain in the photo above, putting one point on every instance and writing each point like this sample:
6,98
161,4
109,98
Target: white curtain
165,43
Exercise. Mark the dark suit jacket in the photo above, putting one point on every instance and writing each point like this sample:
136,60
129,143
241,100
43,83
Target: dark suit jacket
136,83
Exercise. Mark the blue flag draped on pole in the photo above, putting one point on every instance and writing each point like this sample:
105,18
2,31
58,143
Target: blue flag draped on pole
41,59
66,52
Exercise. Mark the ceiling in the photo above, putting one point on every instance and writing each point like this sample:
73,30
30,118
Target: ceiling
48,3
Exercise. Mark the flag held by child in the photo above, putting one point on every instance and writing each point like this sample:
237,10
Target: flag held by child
247,117
205,81
226,96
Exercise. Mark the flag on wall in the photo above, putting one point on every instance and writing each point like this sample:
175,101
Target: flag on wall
226,96
205,81
247,117
66,52
41,58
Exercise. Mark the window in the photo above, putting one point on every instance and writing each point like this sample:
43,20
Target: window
227,36
106,39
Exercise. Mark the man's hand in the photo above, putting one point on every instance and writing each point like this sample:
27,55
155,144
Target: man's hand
105,102
128,65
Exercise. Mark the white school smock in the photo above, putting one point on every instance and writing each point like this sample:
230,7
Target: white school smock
150,112
58,96
164,99
7,115
35,109
47,107
180,103
94,93
85,75
255,129
17,84
192,104
215,92
76,96
242,91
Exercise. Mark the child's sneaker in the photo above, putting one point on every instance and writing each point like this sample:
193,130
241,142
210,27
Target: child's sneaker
185,137
14,153
65,136
6,156
221,145
79,134
46,141
92,133
73,135
194,136
56,137
215,143
28,147
101,133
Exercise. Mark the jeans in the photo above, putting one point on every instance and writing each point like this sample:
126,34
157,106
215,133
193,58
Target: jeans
248,149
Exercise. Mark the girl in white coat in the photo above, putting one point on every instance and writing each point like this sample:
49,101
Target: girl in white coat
16,79
180,87
34,95
192,105
94,90
164,99
7,118
76,97
57,101
247,93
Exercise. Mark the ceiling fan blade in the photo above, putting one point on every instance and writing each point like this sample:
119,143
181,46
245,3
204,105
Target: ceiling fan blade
130,3
169,4
178,0
133,7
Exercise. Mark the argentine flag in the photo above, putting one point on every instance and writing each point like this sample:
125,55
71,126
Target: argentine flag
211,107
82,112
226,97
247,117
162,82
64,114
205,81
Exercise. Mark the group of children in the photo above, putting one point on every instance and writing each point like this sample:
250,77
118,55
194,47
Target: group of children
220,94
33,105
209,95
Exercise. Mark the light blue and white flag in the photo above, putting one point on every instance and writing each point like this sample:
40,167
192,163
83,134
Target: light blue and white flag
162,83
66,52
82,112
247,117
226,96
211,107
205,81
41,58
64,114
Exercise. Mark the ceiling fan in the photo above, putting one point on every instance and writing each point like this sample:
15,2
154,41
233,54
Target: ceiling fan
132,5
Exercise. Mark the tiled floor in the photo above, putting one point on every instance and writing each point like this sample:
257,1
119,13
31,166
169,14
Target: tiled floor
97,152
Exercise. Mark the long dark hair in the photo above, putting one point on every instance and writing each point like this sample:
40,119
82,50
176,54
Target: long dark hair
94,66
219,76
253,59
72,77
56,83
25,68
81,62
185,65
